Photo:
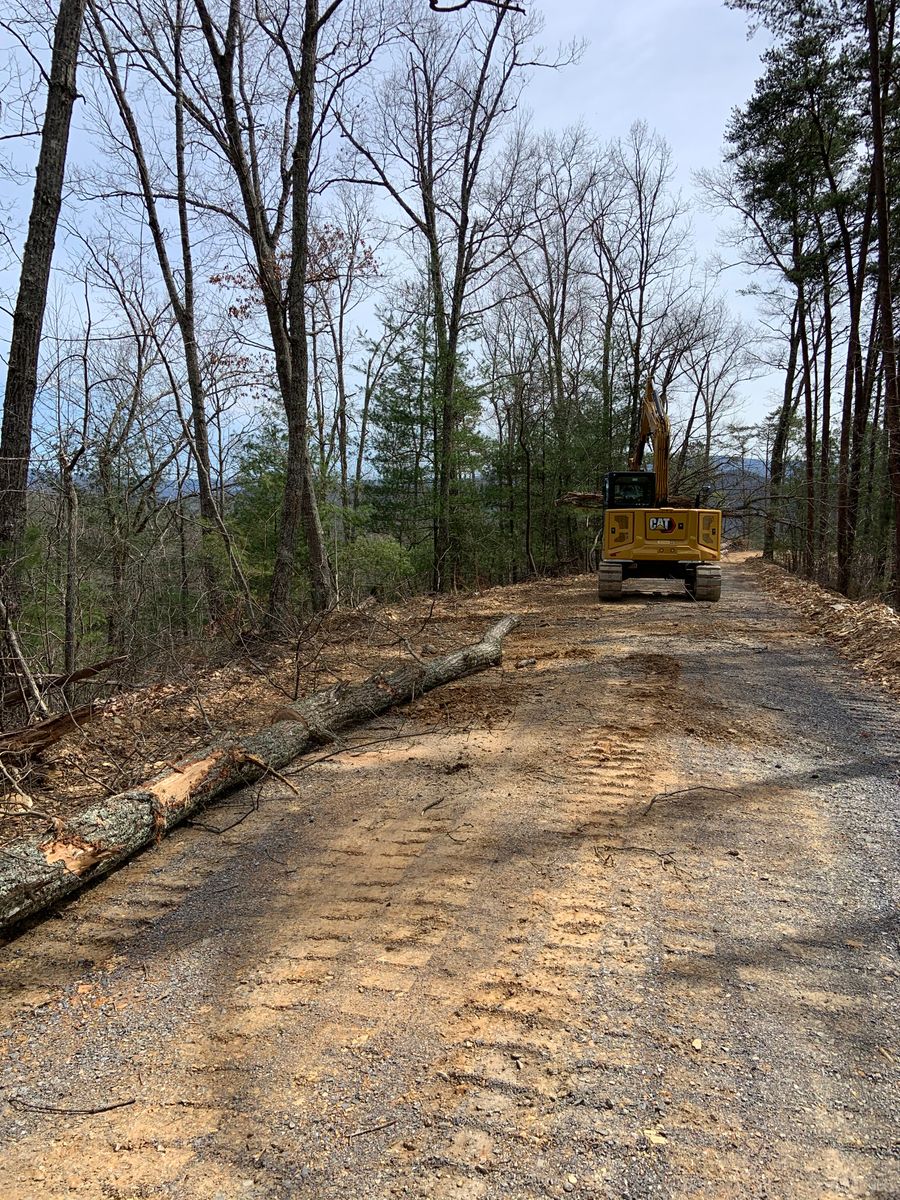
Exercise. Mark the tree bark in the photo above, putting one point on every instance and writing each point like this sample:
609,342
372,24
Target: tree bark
809,426
779,447
39,870
299,502
822,552
855,269
885,298
28,320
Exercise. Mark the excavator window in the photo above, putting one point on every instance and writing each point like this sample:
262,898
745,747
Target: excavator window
630,489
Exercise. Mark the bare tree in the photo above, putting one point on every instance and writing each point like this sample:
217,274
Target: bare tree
425,135
257,88
343,268
549,222
22,369
179,281
716,360
647,235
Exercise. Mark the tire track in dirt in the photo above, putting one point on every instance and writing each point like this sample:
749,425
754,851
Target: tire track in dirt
518,1041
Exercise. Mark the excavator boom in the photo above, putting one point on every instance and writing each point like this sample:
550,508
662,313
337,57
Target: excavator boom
656,429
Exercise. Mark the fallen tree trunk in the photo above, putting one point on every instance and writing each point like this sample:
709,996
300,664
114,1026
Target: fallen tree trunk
38,870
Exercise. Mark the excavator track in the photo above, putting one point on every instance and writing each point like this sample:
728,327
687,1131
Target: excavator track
609,580
705,582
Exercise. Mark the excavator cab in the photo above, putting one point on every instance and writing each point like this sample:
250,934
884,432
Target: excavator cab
629,489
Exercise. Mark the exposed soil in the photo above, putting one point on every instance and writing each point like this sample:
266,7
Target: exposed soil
618,923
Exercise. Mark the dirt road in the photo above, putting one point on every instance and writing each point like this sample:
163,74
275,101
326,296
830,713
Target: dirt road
618,923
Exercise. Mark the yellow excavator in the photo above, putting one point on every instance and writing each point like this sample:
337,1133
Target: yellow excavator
643,535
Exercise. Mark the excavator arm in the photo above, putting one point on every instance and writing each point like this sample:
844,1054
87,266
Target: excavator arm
656,429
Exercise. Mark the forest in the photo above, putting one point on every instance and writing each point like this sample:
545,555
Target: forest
332,315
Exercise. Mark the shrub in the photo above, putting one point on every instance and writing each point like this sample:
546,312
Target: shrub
373,564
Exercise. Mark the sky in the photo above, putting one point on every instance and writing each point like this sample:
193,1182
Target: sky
679,65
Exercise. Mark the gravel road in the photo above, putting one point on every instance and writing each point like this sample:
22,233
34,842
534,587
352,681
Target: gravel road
618,923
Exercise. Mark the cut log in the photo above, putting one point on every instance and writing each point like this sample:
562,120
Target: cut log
37,870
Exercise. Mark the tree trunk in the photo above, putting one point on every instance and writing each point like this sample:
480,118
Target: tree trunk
361,448
299,501
444,414
28,320
115,615
885,299
809,423
184,605
185,313
779,446
40,869
530,564
825,445
70,604
26,682
847,504
299,474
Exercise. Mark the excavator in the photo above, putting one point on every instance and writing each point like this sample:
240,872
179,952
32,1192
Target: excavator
643,535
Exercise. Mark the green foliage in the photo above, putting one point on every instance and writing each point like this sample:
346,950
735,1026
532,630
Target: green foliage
403,423
373,564
256,499
805,105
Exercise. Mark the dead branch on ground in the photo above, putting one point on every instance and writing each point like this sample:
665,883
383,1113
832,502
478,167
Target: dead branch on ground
718,791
